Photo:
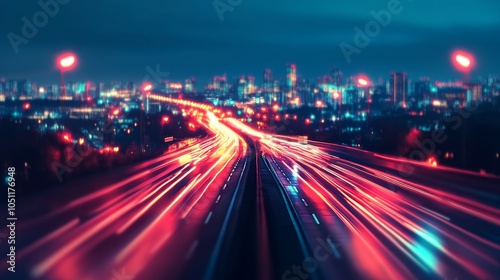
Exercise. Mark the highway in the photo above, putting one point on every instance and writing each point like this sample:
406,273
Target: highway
134,219
436,223
243,204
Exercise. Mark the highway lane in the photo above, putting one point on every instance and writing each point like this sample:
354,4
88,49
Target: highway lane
300,248
410,231
483,187
123,227
257,206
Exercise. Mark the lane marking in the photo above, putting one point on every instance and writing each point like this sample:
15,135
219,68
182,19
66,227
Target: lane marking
305,203
315,218
216,251
218,198
191,250
334,248
208,218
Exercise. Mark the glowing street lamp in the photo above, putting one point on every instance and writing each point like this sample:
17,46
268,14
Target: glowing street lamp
147,87
362,81
463,62
66,62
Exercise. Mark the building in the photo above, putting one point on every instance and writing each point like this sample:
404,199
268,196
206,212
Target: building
398,88
454,96
267,86
422,93
189,85
220,85
11,89
244,88
24,88
291,83
474,92
336,77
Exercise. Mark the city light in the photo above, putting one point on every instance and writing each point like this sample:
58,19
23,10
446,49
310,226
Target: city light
462,60
67,137
147,87
166,119
177,86
362,81
66,61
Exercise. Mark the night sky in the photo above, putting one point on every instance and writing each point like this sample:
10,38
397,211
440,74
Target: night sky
116,40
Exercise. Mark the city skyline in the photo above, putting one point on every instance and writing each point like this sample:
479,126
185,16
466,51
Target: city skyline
259,80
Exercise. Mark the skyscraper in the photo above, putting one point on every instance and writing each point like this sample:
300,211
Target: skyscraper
24,87
474,92
422,92
267,84
399,88
189,85
336,76
267,80
291,82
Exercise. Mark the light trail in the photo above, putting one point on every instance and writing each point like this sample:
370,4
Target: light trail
391,224
139,208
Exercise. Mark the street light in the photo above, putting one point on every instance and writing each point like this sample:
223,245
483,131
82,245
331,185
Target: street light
146,89
66,62
463,61
164,120
364,82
